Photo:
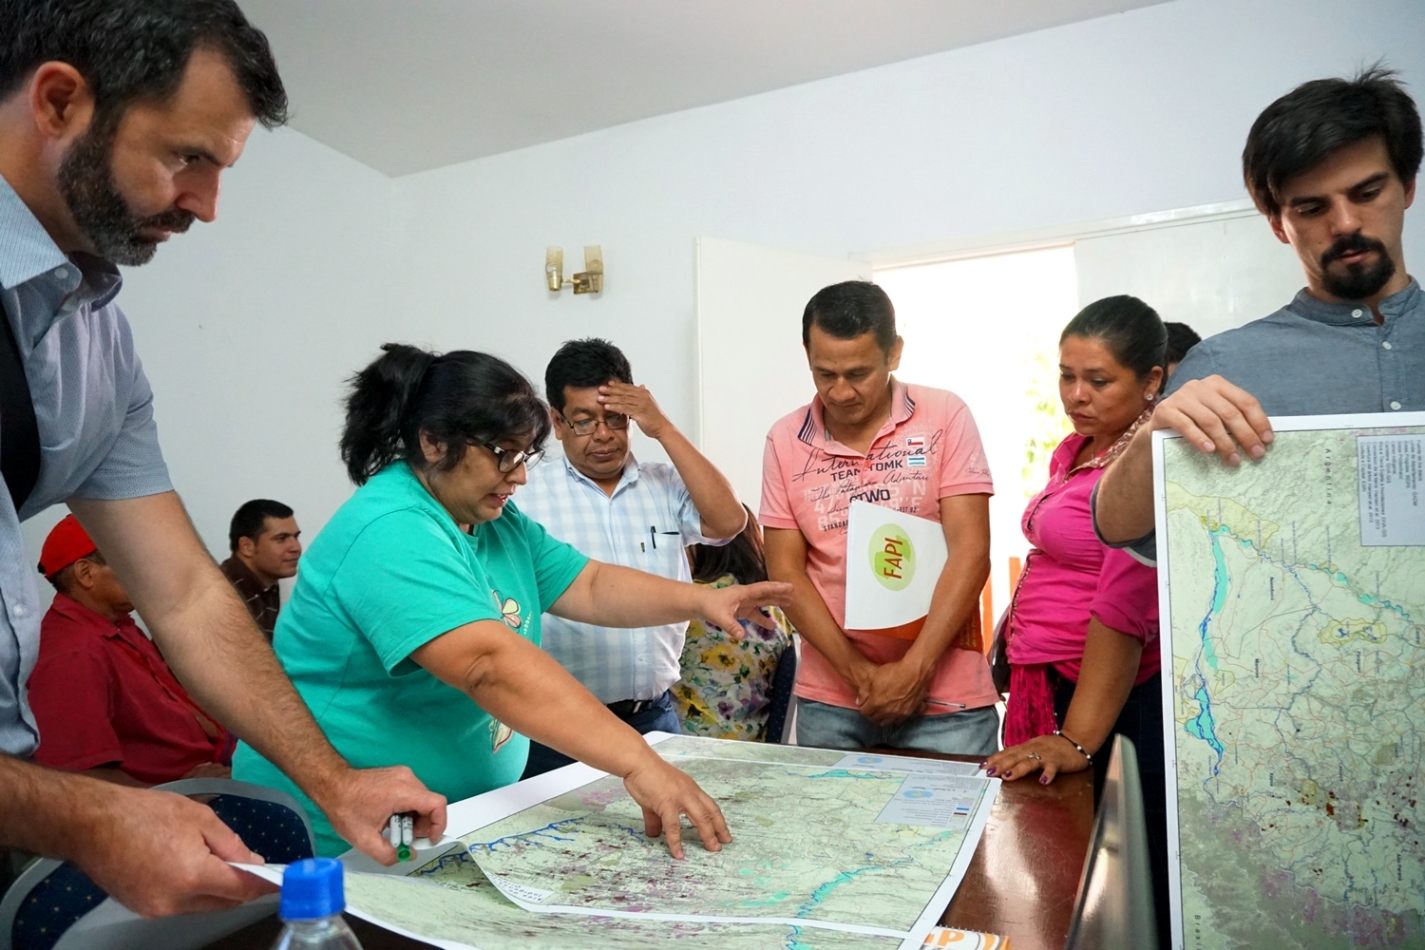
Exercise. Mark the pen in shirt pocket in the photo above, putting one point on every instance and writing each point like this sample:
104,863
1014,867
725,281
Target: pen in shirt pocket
653,534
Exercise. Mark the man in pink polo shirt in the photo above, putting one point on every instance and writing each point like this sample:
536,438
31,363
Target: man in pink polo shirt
866,436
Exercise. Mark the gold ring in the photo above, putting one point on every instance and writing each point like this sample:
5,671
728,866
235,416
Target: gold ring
1036,755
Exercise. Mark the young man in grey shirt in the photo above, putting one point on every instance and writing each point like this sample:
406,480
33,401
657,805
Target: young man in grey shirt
1332,165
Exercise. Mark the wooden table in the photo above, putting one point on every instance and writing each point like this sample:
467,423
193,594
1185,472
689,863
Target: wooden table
1025,874
1021,883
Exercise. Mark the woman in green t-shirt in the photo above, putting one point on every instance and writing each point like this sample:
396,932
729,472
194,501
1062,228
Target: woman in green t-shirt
413,630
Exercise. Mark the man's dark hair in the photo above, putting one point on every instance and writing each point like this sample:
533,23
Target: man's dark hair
137,50
1130,329
850,309
1181,338
250,518
1304,127
580,364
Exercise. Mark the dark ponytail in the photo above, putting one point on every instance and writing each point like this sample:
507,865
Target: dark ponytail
380,396
456,399
1130,329
742,557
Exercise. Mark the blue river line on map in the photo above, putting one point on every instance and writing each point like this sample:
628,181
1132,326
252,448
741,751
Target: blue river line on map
1203,726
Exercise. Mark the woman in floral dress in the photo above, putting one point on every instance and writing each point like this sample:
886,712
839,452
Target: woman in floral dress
726,687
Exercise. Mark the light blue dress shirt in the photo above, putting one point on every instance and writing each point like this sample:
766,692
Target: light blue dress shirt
646,524
95,413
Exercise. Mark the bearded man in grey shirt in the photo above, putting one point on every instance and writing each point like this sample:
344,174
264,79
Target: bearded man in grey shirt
117,119
1332,165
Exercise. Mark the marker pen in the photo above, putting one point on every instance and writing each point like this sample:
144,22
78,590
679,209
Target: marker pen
402,833
403,852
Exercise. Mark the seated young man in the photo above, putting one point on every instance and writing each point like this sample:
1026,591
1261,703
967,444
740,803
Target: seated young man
266,544
103,696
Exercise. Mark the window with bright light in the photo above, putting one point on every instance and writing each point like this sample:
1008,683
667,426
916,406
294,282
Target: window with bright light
987,329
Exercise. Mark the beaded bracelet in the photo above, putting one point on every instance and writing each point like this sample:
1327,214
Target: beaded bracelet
1082,751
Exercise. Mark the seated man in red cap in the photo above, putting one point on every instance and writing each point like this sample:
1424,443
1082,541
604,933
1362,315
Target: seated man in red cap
103,696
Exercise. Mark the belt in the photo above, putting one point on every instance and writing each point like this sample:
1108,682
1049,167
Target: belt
628,707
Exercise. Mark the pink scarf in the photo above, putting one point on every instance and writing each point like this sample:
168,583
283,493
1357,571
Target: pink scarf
1030,709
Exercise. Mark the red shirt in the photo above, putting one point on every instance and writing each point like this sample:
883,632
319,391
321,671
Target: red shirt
103,695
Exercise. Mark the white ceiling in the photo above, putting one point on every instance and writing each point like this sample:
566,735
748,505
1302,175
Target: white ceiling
409,85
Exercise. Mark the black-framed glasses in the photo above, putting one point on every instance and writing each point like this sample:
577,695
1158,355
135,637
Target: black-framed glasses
507,460
614,421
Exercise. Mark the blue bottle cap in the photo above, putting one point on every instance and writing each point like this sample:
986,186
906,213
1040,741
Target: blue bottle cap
312,889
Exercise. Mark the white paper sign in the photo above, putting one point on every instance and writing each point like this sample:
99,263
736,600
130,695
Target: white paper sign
893,561
1392,478
935,801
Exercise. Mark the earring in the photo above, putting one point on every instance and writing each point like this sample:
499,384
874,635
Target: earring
1151,396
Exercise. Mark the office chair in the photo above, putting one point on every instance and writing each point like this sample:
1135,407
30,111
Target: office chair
54,906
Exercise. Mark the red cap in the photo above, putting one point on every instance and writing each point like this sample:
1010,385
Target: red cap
67,543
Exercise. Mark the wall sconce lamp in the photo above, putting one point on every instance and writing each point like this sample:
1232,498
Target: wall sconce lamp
590,281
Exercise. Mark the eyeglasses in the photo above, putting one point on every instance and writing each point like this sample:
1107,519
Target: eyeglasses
507,460
614,421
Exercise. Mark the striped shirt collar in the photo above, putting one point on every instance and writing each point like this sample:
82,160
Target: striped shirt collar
630,475
28,253
26,249
815,433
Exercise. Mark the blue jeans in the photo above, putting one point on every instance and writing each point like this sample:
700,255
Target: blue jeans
972,732
657,716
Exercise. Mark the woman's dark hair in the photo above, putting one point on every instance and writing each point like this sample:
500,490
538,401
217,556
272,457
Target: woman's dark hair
457,399
581,364
1304,127
137,50
1132,331
741,557
849,309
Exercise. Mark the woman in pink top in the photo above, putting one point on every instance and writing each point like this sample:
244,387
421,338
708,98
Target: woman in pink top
1084,617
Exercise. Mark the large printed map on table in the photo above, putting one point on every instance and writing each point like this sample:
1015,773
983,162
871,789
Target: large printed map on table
829,851
1293,595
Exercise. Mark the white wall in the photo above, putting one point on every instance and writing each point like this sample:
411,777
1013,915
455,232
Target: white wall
248,326
1137,112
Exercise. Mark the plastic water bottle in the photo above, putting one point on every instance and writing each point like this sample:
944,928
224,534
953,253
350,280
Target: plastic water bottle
312,902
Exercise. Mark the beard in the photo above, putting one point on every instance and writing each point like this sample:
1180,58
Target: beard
1359,280
86,183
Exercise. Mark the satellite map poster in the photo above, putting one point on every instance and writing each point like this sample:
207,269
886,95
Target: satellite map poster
831,851
1292,592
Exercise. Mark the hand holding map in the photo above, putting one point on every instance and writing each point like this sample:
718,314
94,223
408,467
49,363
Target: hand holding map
1216,416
